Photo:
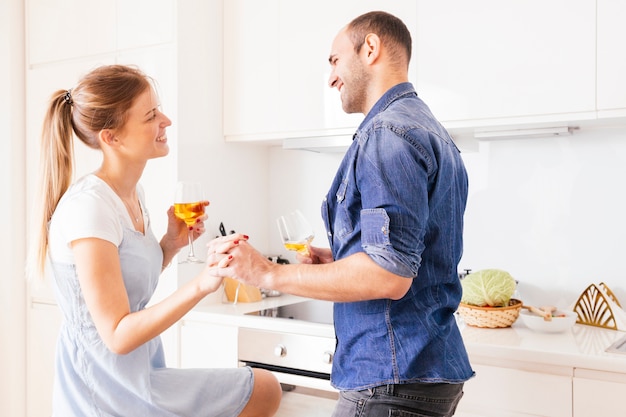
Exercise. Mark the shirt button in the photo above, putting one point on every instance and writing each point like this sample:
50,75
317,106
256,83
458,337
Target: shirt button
384,230
329,233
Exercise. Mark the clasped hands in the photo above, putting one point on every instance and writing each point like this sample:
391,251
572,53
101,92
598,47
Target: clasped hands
232,256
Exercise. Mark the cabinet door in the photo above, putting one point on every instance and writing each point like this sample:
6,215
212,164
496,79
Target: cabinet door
598,393
205,345
309,104
490,59
250,67
611,62
44,321
145,23
276,66
66,29
498,391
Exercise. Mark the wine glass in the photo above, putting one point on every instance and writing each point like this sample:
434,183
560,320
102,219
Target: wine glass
295,231
188,207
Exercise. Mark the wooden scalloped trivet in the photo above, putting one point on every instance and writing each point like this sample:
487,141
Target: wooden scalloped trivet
593,309
608,292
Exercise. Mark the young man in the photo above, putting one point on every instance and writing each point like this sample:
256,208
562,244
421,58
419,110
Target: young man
394,219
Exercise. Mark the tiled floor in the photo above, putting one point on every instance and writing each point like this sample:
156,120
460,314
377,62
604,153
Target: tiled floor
296,404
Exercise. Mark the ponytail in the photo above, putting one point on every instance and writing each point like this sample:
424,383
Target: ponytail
56,170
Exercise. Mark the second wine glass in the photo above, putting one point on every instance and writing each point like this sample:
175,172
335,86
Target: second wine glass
188,206
295,231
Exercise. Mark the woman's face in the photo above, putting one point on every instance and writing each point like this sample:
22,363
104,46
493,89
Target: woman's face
143,136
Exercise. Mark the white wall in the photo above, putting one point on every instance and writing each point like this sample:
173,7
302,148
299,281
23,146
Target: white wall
234,175
12,210
549,210
299,180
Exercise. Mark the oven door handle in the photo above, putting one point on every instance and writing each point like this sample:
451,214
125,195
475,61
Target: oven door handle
284,370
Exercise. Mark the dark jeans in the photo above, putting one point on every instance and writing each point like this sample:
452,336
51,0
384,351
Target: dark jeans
406,400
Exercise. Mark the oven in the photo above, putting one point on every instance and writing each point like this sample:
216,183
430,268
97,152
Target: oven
301,362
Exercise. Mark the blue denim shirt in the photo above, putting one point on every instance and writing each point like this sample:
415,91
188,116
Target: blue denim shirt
399,196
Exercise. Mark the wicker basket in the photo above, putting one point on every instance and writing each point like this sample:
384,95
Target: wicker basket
490,317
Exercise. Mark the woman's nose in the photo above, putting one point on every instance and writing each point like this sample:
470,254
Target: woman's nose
166,120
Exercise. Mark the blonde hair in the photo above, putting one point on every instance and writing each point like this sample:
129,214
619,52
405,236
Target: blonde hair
100,100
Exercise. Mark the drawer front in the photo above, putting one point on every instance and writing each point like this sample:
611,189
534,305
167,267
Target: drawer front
288,350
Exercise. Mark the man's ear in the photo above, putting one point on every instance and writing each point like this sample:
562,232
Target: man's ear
371,47
108,137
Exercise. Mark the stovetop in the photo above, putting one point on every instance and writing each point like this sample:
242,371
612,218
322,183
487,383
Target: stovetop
313,311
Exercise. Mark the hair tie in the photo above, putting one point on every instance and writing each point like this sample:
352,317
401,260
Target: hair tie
68,97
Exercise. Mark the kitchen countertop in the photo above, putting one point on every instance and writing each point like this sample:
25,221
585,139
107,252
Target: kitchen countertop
235,315
581,347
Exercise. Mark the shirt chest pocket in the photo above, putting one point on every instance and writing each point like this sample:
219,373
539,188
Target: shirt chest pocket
343,217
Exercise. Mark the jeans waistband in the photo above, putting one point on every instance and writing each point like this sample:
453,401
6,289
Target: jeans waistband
430,389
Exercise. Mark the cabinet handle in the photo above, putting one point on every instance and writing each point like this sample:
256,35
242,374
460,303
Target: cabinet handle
327,357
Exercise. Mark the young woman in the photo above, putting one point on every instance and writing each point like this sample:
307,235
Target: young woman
105,262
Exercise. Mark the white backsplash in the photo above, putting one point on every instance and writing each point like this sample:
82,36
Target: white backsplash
549,210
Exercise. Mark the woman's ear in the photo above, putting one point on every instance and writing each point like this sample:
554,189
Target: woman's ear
107,136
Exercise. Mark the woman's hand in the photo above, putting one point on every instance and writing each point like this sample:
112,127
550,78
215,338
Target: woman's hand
177,235
218,249
232,256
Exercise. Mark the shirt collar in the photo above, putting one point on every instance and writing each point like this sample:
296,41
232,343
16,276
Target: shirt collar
393,94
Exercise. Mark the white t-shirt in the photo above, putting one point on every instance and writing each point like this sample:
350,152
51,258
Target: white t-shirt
89,208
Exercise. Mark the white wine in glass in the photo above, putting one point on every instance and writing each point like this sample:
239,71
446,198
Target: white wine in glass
188,207
295,231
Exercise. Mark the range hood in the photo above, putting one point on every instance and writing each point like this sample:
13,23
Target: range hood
339,142
524,133
319,144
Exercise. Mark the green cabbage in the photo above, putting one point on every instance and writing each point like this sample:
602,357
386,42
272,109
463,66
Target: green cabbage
488,287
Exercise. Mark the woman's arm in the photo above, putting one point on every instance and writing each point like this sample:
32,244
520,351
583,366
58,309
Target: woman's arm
100,277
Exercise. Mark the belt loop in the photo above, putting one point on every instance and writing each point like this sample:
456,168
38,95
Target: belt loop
390,389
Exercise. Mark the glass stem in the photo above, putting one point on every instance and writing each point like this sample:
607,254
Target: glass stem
191,253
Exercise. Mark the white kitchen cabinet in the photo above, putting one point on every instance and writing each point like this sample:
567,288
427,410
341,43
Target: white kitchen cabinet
598,393
611,62
44,321
59,30
144,23
516,389
490,62
208,345
276,66
251,77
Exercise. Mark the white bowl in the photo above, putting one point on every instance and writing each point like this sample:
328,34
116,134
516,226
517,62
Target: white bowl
564,321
